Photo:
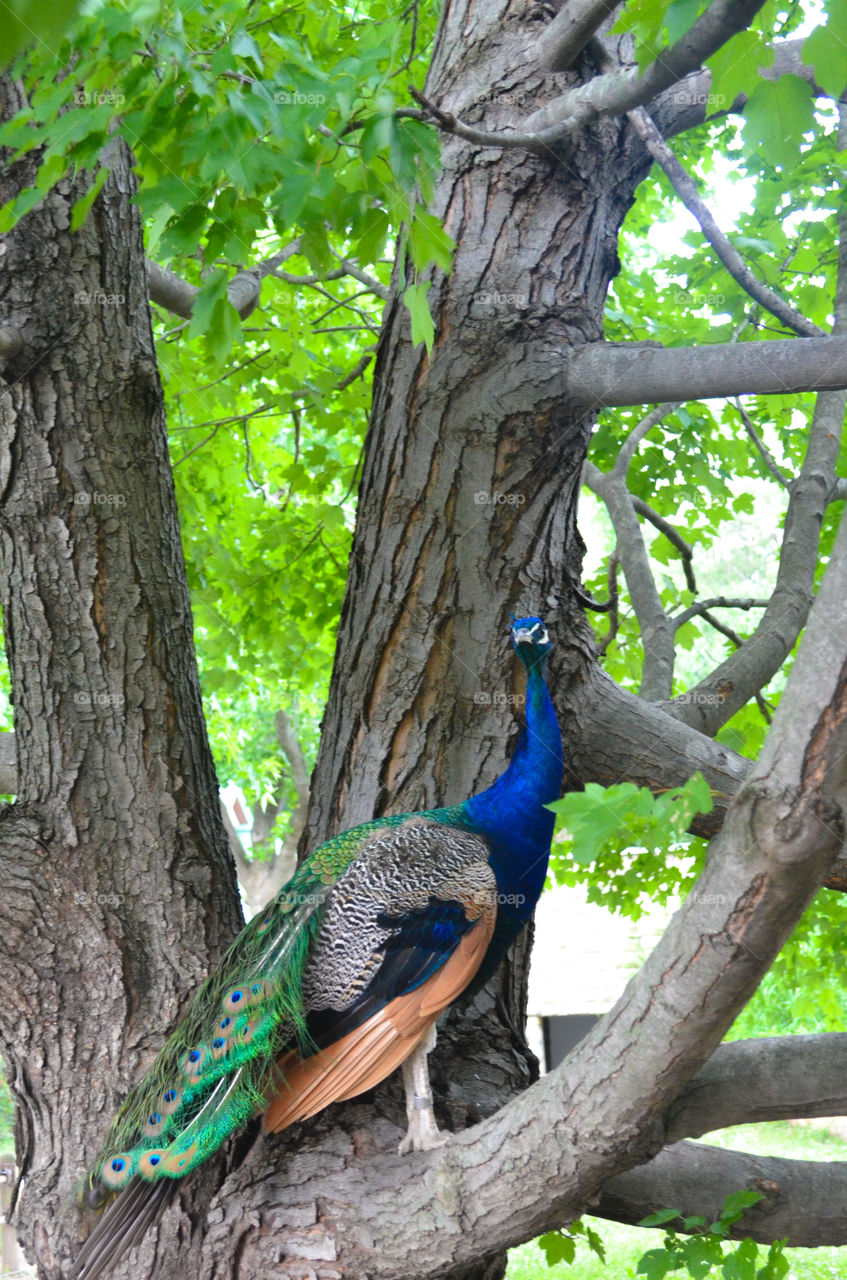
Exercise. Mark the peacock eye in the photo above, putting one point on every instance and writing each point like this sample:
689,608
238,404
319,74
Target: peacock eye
544,638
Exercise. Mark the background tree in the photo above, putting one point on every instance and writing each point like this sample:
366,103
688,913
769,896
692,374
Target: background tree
277,163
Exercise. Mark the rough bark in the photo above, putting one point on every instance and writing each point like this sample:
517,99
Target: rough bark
471,475
118,885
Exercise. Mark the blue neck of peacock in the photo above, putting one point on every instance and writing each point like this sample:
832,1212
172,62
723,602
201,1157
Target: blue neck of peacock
511,813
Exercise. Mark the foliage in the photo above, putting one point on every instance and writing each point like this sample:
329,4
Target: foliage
255,136
629,845
704,1251
560,1246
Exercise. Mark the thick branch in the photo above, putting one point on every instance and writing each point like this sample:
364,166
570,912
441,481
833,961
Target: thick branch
178,296
620,91
614,735
774,1078
690,102
601,374
803,1200
567,35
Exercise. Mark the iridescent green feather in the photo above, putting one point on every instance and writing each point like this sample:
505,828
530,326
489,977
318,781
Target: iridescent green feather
246,1013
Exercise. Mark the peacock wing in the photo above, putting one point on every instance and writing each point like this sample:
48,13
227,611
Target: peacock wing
406,929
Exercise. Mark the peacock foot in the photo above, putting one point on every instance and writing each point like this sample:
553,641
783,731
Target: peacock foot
423,1133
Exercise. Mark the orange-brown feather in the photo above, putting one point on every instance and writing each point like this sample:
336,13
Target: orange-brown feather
364,1057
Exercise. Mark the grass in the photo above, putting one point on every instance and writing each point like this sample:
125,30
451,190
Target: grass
625,1245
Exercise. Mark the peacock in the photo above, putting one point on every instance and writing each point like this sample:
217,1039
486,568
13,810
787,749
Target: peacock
341,978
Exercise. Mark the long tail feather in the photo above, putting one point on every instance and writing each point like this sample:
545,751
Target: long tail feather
124,1224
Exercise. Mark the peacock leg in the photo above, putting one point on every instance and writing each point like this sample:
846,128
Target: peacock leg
423,1134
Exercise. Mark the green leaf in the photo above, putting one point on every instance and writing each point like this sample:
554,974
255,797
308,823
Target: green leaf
656,1263
557,1247
826,50
734,1207
660,1218
700,1254
741,1263
423,329
777,115
735,69
429,242
25,20
372,241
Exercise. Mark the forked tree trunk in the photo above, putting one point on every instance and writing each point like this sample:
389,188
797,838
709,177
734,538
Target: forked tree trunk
468,496
119,888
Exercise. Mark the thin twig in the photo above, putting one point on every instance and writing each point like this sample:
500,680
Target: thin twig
766,455
685,549
627,450
685,188
614,613
701,607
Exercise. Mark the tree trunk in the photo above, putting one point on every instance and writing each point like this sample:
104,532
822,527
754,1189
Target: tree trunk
118,883
468,496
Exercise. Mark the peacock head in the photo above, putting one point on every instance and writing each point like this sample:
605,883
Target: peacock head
530,640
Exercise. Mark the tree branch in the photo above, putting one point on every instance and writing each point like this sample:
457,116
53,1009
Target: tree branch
690,102
676,539
657,629
603,374
714,700
684,187
620,91
564,39
612,734
630,445
716,602
176,295
803,1200
752,1081
745,1082
765,453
